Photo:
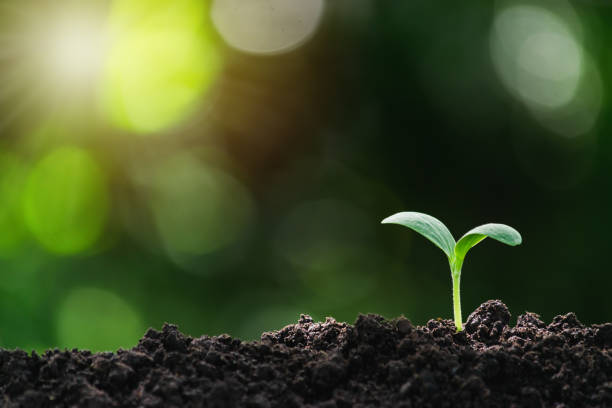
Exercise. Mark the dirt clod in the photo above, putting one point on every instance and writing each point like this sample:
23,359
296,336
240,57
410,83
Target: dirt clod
486,323
373,363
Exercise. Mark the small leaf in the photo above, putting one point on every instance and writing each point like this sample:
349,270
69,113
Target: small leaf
426,225
500,232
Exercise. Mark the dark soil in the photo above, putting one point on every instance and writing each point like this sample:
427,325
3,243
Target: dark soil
374,363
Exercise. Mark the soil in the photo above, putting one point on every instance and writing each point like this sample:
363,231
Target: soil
373,363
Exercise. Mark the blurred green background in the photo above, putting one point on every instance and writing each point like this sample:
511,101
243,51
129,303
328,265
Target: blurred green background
225,165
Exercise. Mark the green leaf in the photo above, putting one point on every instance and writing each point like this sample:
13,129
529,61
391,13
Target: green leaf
500,232
426,225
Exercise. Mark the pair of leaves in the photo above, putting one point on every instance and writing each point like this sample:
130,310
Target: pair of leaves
435,231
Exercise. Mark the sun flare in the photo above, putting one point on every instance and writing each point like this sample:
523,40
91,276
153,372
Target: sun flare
74,51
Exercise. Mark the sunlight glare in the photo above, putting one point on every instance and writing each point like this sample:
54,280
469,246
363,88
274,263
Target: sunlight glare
76,51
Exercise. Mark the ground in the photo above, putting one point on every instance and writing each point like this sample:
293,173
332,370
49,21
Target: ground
373,363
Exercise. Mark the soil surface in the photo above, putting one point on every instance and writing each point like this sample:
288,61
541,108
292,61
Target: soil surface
373,363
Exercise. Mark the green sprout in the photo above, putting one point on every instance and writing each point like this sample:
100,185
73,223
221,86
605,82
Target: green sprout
433,229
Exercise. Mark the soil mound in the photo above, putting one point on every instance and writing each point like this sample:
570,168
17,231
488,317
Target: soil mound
373,363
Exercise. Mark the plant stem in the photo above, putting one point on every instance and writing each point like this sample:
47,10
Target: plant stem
457,303
456,265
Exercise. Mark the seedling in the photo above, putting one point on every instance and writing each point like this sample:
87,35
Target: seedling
433,229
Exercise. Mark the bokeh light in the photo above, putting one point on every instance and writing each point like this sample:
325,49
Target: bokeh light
51,56
266,26
327,242
73,49
197,208
13,172
98,320
66,201
537,55
580,115
161,60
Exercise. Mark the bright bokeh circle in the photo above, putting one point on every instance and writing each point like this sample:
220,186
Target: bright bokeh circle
161,61
66,201
537,55
266,26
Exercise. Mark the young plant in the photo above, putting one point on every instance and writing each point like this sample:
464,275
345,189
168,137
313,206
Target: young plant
436,232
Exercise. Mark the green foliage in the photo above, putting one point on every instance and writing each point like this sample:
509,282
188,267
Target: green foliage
435,231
